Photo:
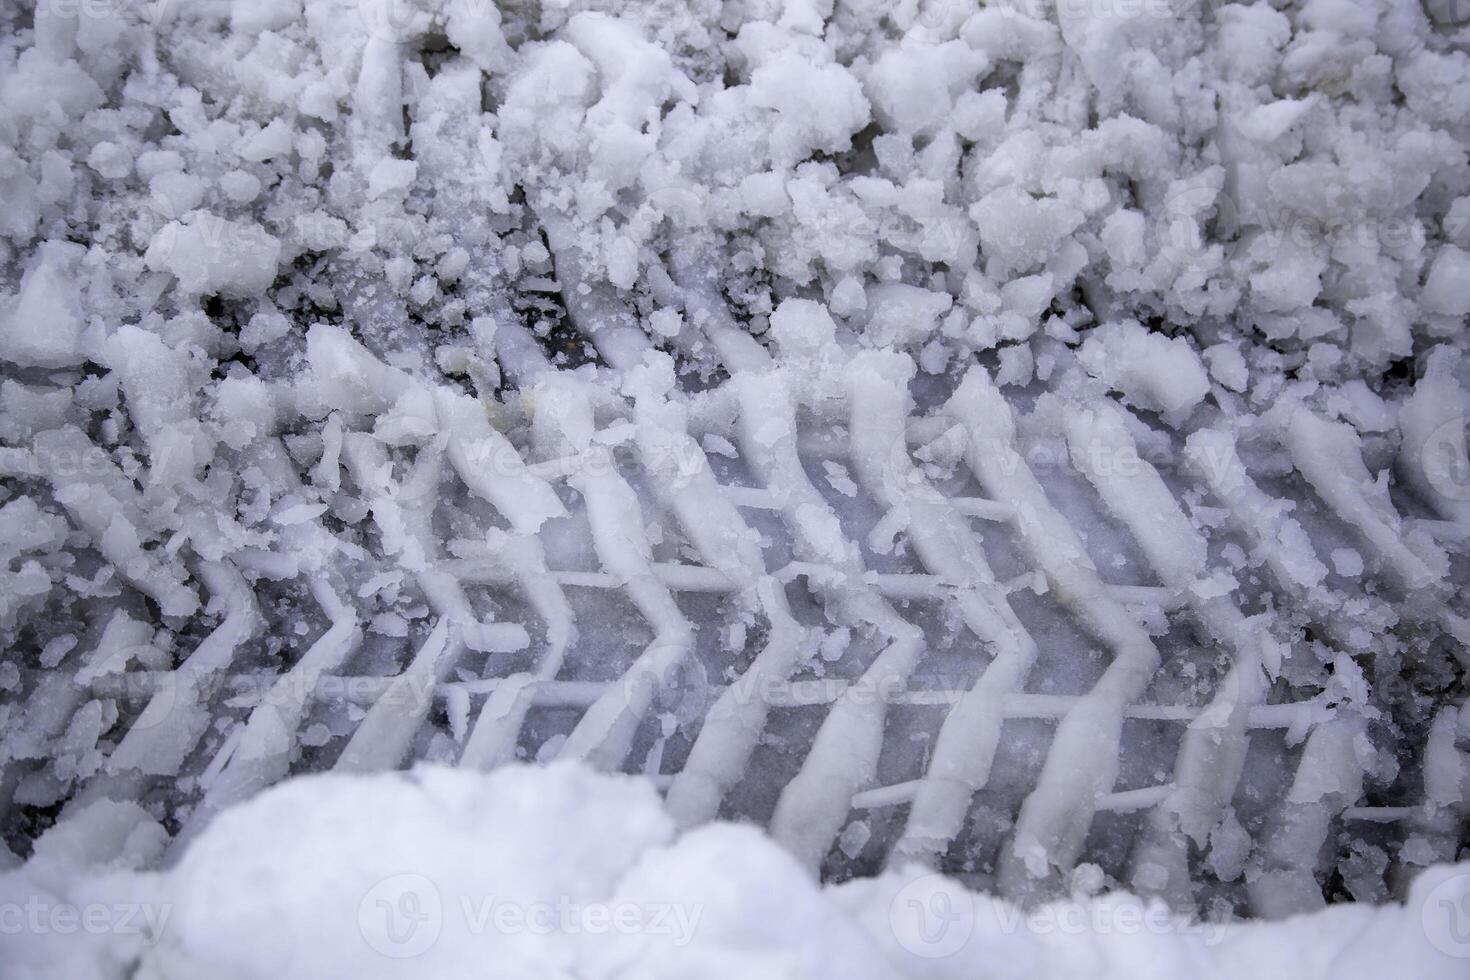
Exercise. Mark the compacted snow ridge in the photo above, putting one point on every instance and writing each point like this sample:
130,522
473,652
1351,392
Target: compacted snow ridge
1009,459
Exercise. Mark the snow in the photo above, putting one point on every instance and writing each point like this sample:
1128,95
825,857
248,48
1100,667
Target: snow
1021,231
1227,366
561,871
255,16
1445,292
390,176
210,254
1348,562
912,84
444,385
42,325
815,107
900,314
1153,372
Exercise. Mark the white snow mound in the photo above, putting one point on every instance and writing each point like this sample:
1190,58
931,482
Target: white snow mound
562,872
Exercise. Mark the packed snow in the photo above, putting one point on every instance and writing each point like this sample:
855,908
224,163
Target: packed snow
964,465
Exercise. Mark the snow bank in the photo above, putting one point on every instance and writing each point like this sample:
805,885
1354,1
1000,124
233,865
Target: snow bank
561,871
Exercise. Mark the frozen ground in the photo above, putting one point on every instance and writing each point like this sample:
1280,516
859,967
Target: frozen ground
1022,442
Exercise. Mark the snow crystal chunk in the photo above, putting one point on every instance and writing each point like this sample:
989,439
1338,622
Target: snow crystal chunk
719,446
1447,290
802,328
545,103
1340,16
452,264
57,648
110,161
1293,279
764,194
1028,296
239,186
637,76
266,326
123,639
666,322
902,314
176,194
42,326
315,735
346,377
1123,237
496,637
854,838
390,176
389,624
1022,231
909,85
210,254
160,383
255,16
622,262
300,514
151,163
243,410
1230,848
848,296
474,28
320,231
1433,455
1457,222
979,115
1152,371
1361,406
838,478
274,140
1016,365
1347,562
411,421
1227,366
818,107
1268,122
